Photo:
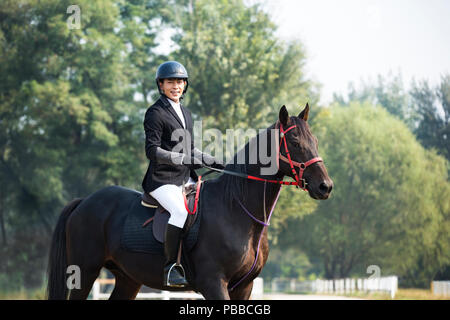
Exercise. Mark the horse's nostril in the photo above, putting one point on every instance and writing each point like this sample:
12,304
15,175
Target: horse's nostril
325,188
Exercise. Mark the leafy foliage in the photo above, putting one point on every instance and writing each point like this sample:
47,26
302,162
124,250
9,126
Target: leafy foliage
241,72
388,205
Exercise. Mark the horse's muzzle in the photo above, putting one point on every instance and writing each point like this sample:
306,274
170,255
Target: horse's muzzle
322,192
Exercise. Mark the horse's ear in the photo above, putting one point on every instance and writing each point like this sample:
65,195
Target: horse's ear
284,116
304,114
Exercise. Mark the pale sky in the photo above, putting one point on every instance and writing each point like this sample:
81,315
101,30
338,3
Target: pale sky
349,40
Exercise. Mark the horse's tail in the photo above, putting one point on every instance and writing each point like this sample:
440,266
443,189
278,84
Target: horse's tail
57,262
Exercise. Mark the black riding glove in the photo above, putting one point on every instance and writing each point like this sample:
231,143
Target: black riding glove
177,159
192,162
196,161
207,159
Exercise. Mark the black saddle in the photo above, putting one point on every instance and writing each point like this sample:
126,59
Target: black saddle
148,201
144,227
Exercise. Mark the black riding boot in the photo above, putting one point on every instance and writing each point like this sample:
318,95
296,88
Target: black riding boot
173,273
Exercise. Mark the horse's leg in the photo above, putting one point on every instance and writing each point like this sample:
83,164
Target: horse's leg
242,293
87,277
125,287
87,253
214,289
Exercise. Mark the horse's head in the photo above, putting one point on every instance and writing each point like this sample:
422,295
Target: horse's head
304,159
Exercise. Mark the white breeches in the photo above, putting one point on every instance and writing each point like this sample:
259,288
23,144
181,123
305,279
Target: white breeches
171,198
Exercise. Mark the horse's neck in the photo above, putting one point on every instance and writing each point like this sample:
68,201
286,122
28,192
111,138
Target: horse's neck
260,199
261,195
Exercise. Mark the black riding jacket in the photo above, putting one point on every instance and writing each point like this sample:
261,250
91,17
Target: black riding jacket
160,122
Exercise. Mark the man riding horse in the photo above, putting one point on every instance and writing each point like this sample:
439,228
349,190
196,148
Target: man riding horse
169,170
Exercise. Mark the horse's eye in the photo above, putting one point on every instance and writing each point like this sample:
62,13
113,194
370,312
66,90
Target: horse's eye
294,141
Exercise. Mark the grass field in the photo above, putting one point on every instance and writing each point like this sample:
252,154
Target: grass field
37,294
402,294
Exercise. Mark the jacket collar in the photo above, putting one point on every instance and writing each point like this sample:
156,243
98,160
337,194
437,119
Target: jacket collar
169,107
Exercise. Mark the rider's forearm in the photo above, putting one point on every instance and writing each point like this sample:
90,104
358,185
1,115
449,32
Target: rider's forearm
168,157
206,158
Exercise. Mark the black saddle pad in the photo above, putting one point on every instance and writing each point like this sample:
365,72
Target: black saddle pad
140,239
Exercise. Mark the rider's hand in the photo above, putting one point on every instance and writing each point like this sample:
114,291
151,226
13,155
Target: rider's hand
192,162
217,165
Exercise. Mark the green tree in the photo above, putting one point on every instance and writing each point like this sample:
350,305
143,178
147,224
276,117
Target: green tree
388,91
287,263
432,106
69,121
423,108
240,72
387,207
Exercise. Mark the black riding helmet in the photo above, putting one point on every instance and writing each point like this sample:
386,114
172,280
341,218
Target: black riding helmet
171,69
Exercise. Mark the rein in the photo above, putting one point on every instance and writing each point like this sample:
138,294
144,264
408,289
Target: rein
301,165
265,224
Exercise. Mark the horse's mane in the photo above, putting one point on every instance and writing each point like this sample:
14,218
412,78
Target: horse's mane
237,187
234,187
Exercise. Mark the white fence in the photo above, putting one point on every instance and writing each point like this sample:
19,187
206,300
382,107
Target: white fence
440,288
98,294
337,286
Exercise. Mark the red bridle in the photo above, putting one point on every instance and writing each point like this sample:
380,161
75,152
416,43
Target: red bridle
302,166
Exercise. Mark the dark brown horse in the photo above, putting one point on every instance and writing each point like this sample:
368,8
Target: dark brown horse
88,231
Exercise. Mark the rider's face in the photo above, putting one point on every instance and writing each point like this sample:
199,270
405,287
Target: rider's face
172,88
